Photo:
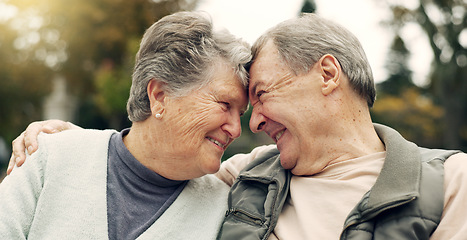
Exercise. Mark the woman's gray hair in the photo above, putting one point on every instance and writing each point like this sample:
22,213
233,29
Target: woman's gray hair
301,42
182,51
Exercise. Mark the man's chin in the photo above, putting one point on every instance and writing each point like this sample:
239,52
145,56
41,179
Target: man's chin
287,164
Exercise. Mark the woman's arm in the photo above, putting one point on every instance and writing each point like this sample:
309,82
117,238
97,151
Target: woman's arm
28,139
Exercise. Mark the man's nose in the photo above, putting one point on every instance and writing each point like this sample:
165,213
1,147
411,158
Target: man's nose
257,121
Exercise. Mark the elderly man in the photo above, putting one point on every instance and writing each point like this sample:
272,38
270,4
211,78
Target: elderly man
311,88
332,172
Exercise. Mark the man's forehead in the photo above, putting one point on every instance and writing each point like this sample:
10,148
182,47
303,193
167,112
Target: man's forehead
255,79
262,70
258,70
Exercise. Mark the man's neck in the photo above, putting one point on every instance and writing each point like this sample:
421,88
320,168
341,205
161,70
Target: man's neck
350,135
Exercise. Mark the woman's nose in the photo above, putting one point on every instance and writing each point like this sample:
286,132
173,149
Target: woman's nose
233,127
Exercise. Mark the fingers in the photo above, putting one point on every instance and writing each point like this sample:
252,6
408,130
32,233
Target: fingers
28,139
54,126
18,156
10,164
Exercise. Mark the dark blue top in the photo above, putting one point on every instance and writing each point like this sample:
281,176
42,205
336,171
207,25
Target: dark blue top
136,195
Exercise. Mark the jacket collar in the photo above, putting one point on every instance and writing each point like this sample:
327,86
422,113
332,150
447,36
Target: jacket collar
266,167
399,179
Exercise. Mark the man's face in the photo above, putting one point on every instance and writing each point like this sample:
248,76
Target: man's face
284,107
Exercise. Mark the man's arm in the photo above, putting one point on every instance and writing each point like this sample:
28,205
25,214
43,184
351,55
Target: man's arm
231,167
453,223
28,139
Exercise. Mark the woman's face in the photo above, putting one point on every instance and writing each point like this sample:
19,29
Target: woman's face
202,124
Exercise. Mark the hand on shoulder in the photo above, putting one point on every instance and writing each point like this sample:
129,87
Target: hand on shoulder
27,140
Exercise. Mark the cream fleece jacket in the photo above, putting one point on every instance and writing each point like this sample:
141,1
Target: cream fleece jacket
60,193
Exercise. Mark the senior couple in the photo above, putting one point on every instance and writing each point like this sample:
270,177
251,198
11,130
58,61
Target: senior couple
331,174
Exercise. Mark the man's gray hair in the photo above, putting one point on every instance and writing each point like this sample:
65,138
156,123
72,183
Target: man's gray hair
302,41
182,51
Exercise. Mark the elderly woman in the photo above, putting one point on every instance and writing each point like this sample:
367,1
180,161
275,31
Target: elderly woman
147,182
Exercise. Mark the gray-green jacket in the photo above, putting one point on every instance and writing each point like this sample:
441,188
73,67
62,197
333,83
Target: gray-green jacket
406,201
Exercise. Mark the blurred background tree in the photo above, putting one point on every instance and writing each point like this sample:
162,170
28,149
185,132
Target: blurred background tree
403,105
433,115
90,43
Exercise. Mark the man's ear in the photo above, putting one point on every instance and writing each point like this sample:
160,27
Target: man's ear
157,96
330,71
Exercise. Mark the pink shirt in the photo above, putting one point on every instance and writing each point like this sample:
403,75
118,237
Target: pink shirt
318,205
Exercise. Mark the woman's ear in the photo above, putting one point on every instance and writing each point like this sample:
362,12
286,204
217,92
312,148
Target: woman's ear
330,71
157,96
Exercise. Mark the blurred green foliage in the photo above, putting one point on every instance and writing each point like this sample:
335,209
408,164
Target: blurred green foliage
91,43
414,115
433,115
